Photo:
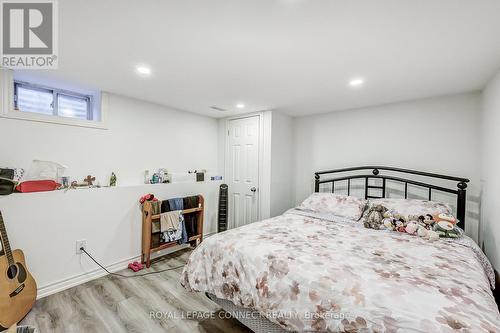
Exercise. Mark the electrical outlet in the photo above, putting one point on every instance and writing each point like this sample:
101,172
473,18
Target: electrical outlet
80,244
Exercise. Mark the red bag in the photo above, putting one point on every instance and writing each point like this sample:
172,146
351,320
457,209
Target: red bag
37,186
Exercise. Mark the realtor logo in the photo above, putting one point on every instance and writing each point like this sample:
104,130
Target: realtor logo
29,34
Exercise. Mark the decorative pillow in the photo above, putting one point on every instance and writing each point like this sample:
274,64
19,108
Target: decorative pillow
407,207
341,205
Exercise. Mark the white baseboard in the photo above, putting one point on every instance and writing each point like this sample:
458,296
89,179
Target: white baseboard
76,280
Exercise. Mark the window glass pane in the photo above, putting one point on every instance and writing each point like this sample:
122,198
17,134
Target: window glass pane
73,107
34,100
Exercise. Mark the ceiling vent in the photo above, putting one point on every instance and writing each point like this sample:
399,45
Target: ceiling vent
217,108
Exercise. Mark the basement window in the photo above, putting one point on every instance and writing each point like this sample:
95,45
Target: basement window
52,102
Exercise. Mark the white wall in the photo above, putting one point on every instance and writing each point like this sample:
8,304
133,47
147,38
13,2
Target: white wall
490,175
265,165
439,135
282,180
140,136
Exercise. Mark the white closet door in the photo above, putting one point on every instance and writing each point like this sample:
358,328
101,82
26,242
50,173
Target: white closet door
243,173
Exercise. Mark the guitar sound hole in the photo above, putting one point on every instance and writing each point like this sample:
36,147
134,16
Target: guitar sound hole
21,277
12,272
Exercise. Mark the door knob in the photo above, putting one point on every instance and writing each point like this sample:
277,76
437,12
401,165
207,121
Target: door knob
253,189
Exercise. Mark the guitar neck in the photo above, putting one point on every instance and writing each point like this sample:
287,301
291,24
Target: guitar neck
5,241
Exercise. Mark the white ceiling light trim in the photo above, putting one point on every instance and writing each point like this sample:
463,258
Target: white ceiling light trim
240,106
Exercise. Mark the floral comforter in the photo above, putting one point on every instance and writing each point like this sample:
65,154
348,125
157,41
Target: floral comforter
311,274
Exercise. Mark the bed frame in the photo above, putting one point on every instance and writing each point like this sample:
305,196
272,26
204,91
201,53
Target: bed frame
261,324
397,175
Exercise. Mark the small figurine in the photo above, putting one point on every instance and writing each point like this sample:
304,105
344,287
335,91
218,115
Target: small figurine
75,185
89,180
65,182
112,179
163,175
155,179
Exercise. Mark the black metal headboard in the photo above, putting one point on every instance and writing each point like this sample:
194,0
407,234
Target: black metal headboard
397,176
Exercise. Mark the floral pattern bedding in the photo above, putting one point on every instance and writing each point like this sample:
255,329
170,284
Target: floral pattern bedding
309,274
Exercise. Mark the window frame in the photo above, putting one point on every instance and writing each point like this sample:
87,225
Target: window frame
55,101
101,105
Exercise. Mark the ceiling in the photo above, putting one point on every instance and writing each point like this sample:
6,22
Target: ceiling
295,56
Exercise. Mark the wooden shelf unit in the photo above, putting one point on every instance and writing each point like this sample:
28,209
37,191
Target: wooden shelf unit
147,227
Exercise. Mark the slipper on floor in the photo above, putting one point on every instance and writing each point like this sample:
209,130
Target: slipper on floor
138,265
134,267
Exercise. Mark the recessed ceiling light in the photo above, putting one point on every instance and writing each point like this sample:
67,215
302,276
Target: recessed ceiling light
143,70
358,82
240,105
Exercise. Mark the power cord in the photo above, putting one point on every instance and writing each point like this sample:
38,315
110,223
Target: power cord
128,276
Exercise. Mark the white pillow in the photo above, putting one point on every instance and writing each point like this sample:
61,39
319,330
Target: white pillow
341,205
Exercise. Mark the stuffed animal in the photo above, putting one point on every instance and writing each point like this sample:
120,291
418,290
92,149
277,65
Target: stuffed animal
401,225
427,234
446,229
413,218
394,221
426,221
374,218
388,224
422,231
387,221
425,226
411,228
446,218
444,225
432,235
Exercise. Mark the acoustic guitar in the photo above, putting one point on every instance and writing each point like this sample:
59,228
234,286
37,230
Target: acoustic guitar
17,286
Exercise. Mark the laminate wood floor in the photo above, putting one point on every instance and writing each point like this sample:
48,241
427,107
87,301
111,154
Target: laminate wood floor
113,304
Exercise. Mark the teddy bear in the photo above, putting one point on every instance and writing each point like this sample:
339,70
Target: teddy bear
394,221
374,217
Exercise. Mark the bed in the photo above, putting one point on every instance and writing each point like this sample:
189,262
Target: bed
322,270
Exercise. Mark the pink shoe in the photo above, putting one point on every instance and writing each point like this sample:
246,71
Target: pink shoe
134,267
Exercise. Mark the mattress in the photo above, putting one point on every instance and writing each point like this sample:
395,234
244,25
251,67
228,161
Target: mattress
304,272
